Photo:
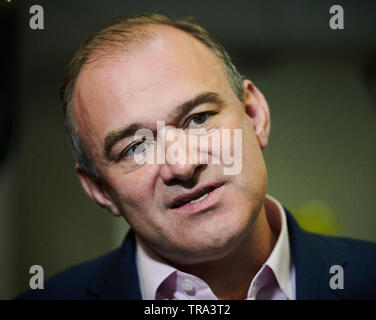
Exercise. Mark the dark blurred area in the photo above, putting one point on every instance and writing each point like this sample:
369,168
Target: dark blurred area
8,22
320,84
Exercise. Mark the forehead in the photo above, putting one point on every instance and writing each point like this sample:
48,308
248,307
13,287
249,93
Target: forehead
145,84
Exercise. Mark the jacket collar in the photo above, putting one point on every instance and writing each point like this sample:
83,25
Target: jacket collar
313,258
118,278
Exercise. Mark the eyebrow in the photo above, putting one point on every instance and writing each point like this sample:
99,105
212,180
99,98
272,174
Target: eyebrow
115,136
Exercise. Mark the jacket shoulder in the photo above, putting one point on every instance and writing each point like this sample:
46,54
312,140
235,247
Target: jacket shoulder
358,251
72,283
358,261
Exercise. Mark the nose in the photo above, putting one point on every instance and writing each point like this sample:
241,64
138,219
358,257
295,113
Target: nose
183,172
178,164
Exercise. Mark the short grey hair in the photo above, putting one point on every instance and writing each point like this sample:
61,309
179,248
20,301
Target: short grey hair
120,33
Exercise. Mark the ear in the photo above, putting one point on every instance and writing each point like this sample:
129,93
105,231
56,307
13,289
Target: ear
257,109
95,189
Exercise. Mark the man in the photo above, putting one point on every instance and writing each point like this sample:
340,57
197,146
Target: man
196,232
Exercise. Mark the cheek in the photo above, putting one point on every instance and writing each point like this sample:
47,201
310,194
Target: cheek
133,191
253,176
250,149
134,194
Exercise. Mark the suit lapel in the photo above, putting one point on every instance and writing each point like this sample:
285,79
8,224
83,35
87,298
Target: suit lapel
313,259
118,279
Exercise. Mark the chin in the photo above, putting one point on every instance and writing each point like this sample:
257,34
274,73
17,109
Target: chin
214,240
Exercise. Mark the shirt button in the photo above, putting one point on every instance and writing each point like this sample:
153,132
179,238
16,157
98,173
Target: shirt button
187,285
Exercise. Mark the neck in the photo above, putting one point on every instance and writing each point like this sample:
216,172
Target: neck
231,276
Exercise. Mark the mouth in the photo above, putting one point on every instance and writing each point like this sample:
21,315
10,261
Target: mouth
197,199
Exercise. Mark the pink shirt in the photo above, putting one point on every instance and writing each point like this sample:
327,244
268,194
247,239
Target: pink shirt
274,281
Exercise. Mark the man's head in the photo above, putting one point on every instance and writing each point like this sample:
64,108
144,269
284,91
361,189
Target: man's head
142,70
125,33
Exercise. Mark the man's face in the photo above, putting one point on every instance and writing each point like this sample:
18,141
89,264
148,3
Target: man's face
147,85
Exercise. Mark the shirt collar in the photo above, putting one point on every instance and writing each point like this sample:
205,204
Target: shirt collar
279,261
280,258
148,261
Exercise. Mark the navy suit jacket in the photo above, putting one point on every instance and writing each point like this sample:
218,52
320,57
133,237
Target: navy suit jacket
114,276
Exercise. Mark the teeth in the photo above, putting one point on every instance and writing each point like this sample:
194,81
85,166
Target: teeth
199,199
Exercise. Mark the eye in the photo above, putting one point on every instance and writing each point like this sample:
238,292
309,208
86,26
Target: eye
134,150
199,119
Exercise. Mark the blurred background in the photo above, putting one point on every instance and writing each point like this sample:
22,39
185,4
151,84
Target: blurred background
320,85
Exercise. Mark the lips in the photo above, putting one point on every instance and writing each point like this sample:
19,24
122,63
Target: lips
194,196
